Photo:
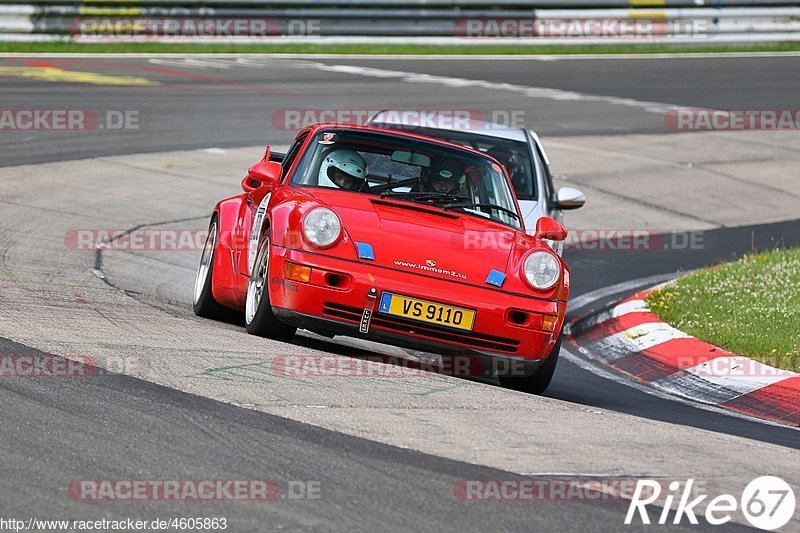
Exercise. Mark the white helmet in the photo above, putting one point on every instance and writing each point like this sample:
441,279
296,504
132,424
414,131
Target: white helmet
348,161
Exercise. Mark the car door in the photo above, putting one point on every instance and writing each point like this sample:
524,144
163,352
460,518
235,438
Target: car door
257,201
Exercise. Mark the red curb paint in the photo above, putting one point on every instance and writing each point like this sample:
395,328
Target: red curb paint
779,402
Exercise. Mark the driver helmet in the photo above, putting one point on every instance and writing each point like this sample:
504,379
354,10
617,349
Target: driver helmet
346,168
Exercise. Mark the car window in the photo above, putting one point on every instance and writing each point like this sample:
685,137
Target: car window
514,155
408,170
291,155
382,169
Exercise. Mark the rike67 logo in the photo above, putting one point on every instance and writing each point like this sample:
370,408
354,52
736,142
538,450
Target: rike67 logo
768,503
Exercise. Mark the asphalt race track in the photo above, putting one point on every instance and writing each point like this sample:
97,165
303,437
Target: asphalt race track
254,89
386,454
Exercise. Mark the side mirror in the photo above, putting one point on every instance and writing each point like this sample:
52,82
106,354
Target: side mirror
570,198
265,173
550,229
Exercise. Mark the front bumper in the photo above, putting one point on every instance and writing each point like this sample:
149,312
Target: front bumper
333,300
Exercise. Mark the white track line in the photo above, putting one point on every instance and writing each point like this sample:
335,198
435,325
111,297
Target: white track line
584,300
531,92
740,374
625,308
644,336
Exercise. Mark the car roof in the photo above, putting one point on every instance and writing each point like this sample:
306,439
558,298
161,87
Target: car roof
401,133
391,117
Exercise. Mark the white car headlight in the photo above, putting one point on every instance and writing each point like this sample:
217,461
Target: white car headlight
322,227
542,270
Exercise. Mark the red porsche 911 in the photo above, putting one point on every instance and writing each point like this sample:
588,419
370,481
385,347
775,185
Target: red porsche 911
392,237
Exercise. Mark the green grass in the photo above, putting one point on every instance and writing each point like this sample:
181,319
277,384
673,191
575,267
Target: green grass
387,48
750,307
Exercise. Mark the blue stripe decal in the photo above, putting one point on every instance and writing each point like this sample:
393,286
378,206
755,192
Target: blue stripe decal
365,251
386,300
496,278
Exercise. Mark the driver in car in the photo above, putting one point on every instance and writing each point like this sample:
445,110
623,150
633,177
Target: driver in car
347,169
444,176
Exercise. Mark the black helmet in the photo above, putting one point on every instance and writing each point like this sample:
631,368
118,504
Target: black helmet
444,170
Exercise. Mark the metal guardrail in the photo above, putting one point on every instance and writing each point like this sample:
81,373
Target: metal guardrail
438,4
418,21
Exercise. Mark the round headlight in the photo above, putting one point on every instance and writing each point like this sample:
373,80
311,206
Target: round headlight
322,227
542,270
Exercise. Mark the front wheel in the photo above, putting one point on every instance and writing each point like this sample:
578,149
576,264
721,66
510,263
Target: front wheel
537,382
258,316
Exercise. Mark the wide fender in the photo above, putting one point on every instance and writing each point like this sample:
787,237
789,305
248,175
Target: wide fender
229,286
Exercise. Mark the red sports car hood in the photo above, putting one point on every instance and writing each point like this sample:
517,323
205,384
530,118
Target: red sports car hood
427,240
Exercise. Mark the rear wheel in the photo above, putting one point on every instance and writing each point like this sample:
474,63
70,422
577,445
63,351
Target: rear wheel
537,382
258,316
203,302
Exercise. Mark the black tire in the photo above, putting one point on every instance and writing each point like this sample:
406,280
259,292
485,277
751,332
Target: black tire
537,382
204,304
263,322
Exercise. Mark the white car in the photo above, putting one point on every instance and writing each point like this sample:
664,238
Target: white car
523,155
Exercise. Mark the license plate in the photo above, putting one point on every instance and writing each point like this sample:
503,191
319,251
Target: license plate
425,311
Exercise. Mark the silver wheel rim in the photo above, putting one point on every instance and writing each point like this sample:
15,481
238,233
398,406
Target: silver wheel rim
255,288
205,262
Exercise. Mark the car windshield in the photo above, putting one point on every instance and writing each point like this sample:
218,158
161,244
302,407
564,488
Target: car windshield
390,166
514,155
